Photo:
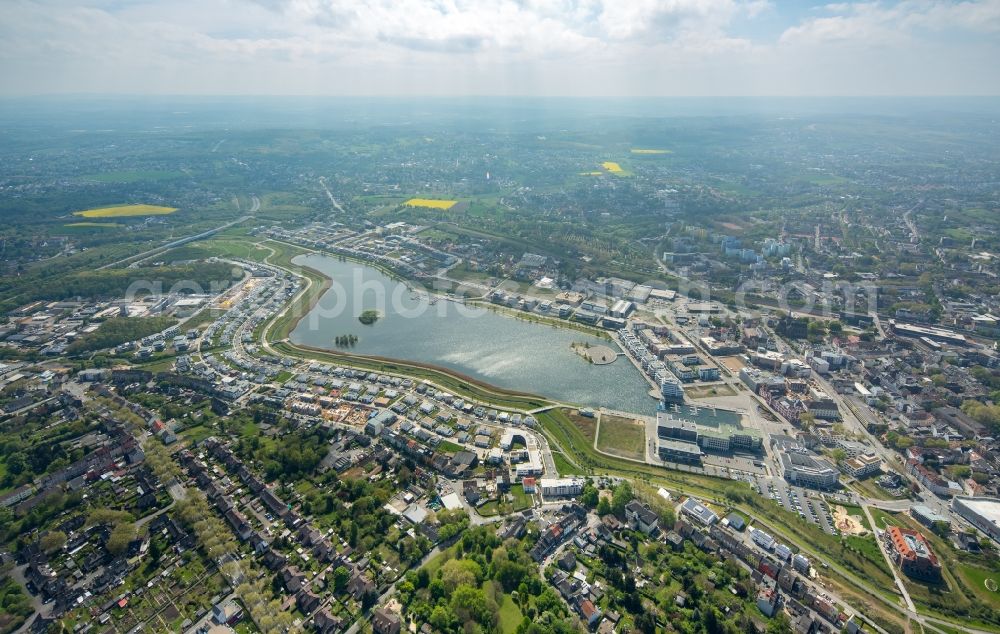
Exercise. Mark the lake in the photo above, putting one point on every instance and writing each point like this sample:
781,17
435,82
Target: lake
493,347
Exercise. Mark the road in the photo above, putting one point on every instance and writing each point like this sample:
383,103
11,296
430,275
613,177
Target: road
906,610
888,559
908,219
329,194
176,243
356,626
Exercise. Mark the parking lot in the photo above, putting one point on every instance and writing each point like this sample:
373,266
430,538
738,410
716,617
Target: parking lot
806,503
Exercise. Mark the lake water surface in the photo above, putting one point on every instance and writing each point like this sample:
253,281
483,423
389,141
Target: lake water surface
492,347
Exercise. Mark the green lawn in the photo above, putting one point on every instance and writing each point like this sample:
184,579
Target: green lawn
977,578
563,465
870,488
522,500
883,519
196,433
869,548
510,615
449,447
622,436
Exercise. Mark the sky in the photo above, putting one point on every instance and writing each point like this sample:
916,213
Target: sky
618,48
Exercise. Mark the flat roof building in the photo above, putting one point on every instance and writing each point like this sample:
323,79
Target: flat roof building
981,512
930,332
679,451
926,516
560,487
862,466
669,427
698,511
724,438
803,467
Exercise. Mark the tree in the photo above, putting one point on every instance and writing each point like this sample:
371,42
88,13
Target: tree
510,574
155,550
940,528
459,572
423,578
589,496
806,420
621,496
603,507
121,536
16,463
441,619
341,576
646,623
779,624
667,517
816,330
52,541
472,604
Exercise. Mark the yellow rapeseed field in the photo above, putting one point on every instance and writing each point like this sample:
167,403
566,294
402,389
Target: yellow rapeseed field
612,167
431,203
120,211
645,151
92,224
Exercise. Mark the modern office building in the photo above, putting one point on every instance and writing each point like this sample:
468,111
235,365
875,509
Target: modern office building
678,451
801,466
926,516
722,439
670,427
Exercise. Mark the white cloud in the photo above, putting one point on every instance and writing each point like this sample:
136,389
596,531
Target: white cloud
494,46
879,22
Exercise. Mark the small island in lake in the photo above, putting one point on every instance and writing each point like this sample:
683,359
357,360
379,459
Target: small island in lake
345,340
599,355
369,317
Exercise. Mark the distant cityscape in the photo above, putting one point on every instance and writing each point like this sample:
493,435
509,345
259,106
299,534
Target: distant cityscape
641,374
